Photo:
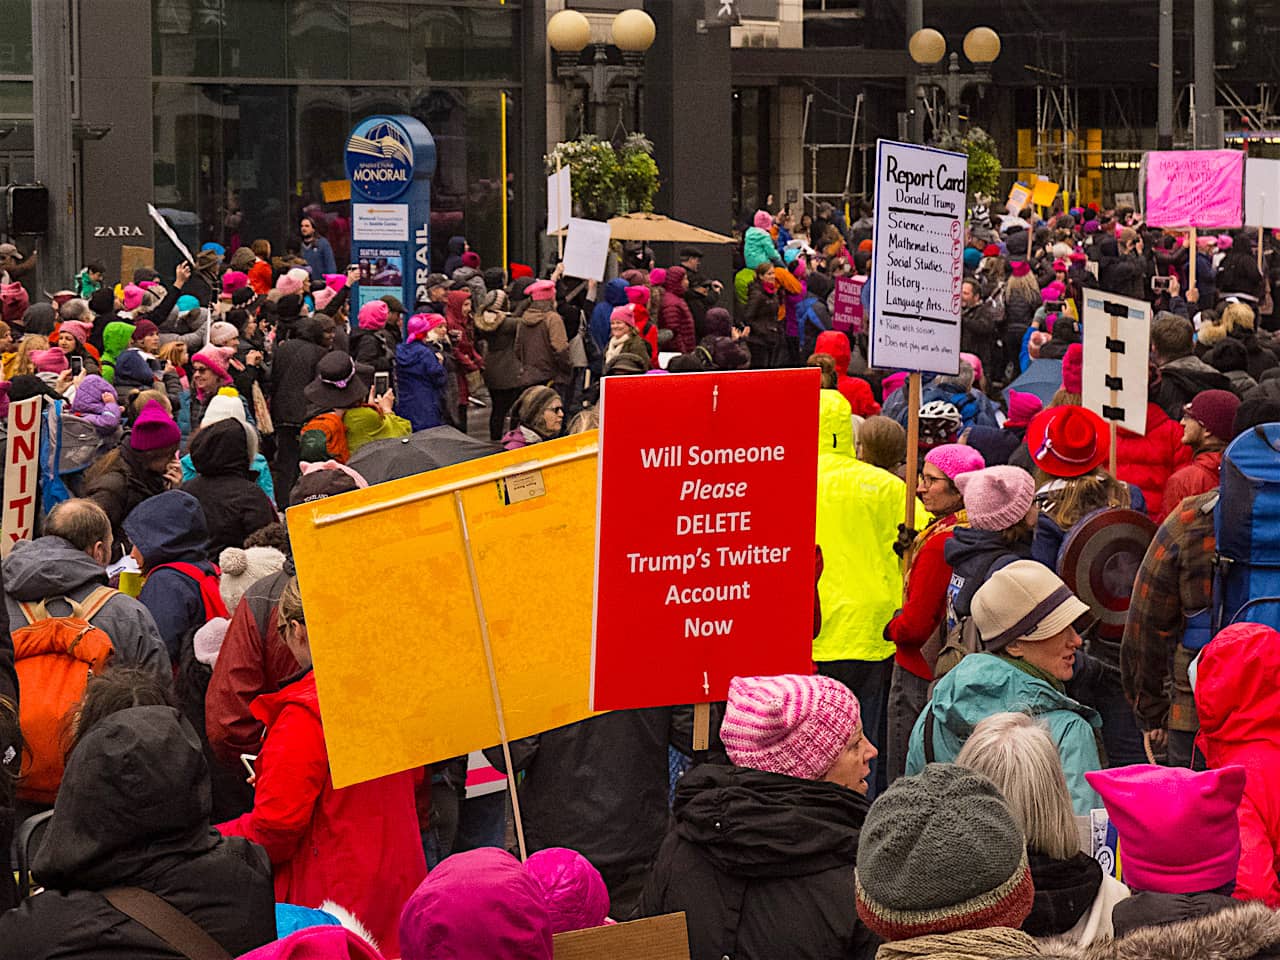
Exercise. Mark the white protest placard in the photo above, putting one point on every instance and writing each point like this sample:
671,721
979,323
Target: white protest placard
559,200
917,259
1127,200
21,473
1117,334
163,224
380,222
586,249
1261,192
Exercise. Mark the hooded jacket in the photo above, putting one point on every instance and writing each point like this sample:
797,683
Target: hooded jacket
51,567
758,247
675,314
1238,703
854,389
1202,931
358,846
542,348
233,503
420,383
1147,460
859,508
615,295
974,555
168,528
134,812
982,684
293,367
1181,380
120,486
762,866
116,337
456,247
89,406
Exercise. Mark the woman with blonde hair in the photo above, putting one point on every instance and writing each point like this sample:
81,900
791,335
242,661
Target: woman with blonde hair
1073,898
29,344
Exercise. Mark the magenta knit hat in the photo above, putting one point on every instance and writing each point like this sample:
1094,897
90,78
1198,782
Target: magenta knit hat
420,324
996,498
954,459
763,219
471,259
216,359
624,313
1020,268
541,290
1178,827
573,889
52,360
1073,369
323,297
1022,407
1052,291
234,280
133,295
972,360
476,904
373,315
639,296
657,276
154,429
77,328
791,724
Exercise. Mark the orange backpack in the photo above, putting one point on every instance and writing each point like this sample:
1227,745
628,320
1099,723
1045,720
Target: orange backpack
54,657
334,429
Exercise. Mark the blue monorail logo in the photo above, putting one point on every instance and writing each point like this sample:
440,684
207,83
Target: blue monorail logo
380,159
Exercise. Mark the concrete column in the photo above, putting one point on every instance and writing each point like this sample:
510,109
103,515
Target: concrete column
1206,90
1164,78
52,107
115,91
788,146
688,97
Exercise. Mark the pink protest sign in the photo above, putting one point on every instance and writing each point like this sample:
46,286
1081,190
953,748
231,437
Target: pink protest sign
848,313
1195,188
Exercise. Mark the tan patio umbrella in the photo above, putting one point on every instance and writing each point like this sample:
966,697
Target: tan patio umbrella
655,228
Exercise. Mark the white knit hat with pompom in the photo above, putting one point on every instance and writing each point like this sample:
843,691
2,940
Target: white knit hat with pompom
243,568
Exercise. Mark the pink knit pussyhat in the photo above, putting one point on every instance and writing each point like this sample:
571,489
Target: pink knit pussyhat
790,724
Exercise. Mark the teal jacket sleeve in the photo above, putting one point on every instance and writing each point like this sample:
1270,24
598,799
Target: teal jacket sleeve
1079,751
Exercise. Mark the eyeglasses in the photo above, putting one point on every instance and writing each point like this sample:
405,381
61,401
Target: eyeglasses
929,481
557,409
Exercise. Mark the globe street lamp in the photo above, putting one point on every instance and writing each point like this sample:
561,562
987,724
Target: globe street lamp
927,48
569,32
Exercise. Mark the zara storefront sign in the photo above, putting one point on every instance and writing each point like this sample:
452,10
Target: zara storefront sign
390,161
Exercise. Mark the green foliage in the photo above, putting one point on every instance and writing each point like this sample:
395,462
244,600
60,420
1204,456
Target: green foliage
984,165
606,181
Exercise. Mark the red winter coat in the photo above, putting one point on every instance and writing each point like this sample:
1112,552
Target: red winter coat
1238,703
1197,477
854,389
676,315
359,846
925,603
1149,460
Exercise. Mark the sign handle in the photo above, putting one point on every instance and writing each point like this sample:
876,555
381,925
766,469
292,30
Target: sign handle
1260,247
559,216
1191,274
1115,370
913,443
701,725
1031,231
493,675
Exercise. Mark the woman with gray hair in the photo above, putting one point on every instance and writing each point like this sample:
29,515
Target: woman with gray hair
1073,898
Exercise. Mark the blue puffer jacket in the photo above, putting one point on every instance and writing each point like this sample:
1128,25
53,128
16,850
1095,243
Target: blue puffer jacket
983,684
167,528
420,382
615,295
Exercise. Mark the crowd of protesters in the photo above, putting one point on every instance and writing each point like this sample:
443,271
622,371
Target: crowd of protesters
165,785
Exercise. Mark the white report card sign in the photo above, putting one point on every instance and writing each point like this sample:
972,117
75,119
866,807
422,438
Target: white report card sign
917,258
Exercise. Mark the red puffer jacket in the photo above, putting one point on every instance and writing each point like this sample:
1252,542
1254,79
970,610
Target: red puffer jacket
1148,461
854,389
1239,707
359,846
676,315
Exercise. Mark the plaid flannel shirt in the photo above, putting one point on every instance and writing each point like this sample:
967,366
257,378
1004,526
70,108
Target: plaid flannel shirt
1174,582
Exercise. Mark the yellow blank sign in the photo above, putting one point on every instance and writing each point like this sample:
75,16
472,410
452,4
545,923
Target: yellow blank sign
1044,192
335,191
395,635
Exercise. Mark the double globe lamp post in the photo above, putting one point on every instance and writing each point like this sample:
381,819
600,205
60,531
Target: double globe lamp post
568,32
927,48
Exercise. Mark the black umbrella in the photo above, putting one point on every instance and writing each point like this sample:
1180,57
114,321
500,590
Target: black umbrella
394,459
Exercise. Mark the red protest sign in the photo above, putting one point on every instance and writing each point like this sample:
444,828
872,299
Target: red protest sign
705,534
848,309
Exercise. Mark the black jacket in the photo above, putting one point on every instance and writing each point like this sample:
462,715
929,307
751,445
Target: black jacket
600,786
234,505
293,367
1182,379
134,812
374,348
762,866
121,485
1065,891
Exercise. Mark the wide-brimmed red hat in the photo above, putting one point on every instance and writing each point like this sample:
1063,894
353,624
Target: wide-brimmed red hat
1068,441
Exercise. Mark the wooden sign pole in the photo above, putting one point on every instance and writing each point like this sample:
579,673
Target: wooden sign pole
1191,263
559,216
1260,249
1115,370
493,674
913,444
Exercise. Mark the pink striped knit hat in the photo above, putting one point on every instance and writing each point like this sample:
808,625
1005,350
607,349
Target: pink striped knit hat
794,725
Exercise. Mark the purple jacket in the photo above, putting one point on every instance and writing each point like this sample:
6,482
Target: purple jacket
88,404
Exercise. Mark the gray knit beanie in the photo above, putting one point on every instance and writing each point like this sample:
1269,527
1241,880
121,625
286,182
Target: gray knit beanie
941,852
